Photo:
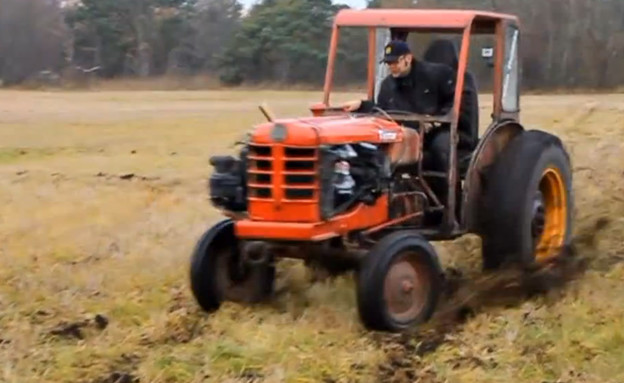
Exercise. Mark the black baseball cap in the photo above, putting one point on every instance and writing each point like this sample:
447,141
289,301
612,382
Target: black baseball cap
395,49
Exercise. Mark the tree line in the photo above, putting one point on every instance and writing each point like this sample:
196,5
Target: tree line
566,43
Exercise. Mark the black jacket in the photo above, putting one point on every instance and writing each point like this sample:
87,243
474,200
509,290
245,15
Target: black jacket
444,51
429,88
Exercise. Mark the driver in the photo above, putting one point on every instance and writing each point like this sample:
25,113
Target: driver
420,87
413,86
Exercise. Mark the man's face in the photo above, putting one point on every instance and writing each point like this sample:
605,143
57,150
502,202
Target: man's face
400,67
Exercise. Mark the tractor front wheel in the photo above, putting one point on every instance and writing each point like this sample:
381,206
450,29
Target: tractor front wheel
398,283
218,273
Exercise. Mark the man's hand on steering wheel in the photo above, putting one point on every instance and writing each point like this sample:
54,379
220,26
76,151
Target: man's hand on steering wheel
352,106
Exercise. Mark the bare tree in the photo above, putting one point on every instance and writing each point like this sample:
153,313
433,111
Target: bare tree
214,24
32,37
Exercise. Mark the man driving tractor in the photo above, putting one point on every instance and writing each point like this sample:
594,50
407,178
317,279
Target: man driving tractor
413,85
422,87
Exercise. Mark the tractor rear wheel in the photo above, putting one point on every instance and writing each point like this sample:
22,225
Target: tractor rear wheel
218,273
528,203
398,283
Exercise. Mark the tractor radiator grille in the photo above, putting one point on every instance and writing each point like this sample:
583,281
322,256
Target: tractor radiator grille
260,171
284,173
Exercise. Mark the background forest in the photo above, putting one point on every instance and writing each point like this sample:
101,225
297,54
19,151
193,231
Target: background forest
566,43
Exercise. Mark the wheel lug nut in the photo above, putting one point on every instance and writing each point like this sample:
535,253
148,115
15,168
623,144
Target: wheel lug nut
407,286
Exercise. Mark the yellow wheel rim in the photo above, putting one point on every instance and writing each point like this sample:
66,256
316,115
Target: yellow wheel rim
550,222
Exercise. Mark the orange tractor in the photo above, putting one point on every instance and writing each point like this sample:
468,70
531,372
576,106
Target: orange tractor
352,191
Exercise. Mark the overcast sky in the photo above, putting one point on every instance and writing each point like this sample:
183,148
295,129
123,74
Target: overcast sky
351,3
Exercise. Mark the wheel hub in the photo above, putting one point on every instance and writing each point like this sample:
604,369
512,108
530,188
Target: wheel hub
406,288
539,216
236,269
549,224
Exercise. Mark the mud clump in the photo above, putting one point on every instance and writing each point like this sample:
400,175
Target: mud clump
101,321
75,330
69,330
122,370
250,375
126,177
118,377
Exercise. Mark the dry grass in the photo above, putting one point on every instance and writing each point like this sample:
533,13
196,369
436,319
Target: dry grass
78,240
173,82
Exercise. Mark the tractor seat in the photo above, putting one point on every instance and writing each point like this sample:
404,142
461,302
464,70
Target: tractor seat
443,51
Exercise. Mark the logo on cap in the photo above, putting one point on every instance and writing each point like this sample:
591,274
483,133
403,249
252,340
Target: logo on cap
388,50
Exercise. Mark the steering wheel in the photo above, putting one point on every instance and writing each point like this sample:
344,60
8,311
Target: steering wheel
378,110
393,111
386,113
425,126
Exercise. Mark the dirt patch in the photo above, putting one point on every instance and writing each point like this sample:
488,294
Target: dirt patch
118,377
403,363
126,177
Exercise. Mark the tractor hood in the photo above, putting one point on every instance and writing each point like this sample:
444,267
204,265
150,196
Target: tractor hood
333,130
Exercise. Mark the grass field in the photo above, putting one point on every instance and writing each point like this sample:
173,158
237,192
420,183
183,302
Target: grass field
103,194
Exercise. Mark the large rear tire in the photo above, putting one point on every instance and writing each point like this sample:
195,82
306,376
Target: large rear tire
528,202
217,273
398,283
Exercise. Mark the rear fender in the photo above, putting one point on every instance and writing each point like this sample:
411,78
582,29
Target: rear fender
493,142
